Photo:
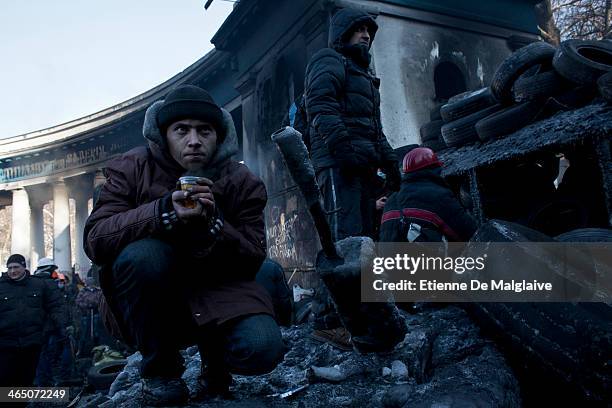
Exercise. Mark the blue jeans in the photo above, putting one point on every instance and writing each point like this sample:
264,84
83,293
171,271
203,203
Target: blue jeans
150,296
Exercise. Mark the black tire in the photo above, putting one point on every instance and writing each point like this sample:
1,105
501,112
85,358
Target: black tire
435,145
506,121
583,61
540,85
573,99
466,103
559,215
586,235
462,131
604,84
567,343
101,376
434,113
431,131
537,53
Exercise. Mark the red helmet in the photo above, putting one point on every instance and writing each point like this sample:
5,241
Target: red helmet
420,158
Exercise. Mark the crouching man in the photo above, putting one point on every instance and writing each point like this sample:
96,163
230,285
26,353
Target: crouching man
180,265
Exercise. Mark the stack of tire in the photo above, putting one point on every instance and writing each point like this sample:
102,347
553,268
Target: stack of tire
431,135
533,83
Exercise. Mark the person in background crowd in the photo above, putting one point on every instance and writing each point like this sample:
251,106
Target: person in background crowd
26,303
88,301
49,364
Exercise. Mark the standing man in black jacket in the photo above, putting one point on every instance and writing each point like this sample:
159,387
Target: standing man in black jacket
347,142
25,304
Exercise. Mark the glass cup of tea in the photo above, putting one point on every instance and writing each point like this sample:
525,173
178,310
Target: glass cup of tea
186,183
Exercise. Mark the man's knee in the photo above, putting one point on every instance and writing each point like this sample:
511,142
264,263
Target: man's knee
255,345
150,258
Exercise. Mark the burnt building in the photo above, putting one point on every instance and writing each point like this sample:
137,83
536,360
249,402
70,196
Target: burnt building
425,51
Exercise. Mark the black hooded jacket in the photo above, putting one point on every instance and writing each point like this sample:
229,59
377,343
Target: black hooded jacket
425,199
25,306
342,99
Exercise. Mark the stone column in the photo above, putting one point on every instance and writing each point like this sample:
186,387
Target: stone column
39,195
37,235
20,232
61,228
81,190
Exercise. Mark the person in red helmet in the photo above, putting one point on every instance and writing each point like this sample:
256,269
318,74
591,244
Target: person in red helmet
425,209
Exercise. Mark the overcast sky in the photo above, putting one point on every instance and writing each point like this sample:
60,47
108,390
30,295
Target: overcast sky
63,59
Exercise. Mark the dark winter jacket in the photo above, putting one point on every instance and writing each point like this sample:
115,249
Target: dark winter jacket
138,190
343,101
50,327
425,199
25,306
88,299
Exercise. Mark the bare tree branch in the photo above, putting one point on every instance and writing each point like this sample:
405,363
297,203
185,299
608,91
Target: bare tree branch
582,19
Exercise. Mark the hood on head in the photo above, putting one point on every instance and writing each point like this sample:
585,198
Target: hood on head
344,21
226,150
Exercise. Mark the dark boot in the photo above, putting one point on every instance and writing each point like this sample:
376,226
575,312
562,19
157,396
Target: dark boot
338,337
161,392
386,328
215,378
212,384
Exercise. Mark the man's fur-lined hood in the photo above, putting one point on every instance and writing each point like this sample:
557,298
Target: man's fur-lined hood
225,151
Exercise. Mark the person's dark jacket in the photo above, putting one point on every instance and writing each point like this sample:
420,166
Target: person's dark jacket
138,190
88,299
51,327
25,306
343,102
425,199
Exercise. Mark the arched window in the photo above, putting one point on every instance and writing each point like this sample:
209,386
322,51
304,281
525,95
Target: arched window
448,80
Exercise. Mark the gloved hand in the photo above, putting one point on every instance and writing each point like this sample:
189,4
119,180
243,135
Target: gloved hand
394,178
349,159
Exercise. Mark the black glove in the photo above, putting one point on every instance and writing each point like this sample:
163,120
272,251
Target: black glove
394,178
349,159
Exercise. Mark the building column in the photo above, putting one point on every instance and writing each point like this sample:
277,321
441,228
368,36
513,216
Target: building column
81,190
61,228
39,195
37,235
20,231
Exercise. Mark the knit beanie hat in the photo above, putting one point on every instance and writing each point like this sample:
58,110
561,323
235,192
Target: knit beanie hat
16,258
190,102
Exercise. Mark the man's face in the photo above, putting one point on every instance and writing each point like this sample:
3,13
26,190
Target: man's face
192,143
361,36
15,270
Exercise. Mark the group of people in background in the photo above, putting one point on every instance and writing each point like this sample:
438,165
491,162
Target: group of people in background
47,322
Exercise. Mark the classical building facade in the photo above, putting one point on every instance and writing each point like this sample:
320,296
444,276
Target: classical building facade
424,52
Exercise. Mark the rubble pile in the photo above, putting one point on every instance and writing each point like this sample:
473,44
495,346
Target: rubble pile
443,361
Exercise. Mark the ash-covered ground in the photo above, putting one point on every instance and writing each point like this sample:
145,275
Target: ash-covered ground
443,361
